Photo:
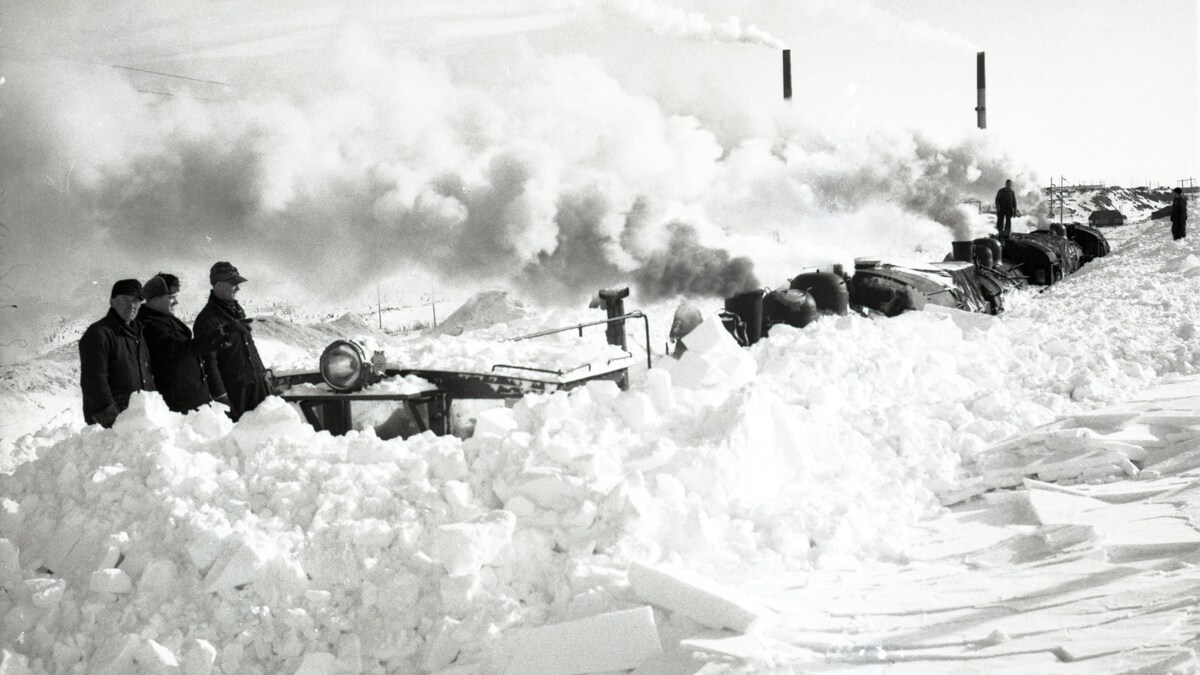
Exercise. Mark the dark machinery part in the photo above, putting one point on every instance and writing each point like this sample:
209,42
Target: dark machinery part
346,370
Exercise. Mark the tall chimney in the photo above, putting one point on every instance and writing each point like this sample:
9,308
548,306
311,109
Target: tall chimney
787,74
981,88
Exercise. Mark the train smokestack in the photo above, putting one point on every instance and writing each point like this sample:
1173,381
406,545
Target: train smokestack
787,74
981,88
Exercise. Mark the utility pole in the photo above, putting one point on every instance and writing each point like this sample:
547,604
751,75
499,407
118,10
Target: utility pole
379,305
433,305
1061,200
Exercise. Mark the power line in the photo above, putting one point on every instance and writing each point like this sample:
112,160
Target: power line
118,67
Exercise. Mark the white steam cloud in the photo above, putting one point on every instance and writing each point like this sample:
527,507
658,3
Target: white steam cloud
678,22
551,177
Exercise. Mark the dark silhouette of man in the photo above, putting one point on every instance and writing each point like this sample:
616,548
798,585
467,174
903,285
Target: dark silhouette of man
239,368
1006,208
113,359
177,360
1179,215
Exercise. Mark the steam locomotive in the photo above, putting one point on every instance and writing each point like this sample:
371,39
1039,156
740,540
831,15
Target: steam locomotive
974,277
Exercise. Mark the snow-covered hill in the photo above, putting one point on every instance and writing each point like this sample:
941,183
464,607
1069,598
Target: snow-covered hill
1078,203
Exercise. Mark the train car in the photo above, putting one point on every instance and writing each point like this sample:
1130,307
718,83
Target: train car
974,277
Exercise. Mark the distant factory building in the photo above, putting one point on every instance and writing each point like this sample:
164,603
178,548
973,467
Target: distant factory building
1106,218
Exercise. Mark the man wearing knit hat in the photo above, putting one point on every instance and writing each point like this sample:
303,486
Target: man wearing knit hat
113,359
239,371
183,378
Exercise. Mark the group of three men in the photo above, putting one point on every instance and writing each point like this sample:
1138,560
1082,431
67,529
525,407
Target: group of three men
140,345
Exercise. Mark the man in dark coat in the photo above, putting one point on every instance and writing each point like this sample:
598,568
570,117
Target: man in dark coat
185,381
1179,215
113,359
239,369
1006,208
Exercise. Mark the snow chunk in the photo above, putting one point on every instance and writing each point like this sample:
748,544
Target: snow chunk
607,642
712,358
111,581
463,548
199,657
317,663
699,599
155,657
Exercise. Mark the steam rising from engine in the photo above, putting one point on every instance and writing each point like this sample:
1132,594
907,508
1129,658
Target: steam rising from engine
554,179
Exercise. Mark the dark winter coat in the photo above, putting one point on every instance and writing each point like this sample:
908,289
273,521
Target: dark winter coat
113,363
1179,210
1006,201
239,370
177,360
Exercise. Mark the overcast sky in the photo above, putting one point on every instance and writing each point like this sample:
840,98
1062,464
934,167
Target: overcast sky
1087,89
556,146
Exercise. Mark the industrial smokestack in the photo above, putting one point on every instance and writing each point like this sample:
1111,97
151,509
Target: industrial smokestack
787,74
981,104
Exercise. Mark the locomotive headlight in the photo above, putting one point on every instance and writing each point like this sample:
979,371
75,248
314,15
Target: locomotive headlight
344,366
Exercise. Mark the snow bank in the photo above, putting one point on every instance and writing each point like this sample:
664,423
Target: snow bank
189,543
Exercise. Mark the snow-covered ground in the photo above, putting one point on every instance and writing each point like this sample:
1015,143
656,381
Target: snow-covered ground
821,461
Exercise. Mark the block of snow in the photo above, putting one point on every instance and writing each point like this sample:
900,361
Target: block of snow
372,533
549,490
712,358
158,579
115,656
199,658
602,391
238,565
708,335
12,663
153,657
317,663
1111,417
658,383
1179,419
147,411
495,423
204,548
274,418
464,547
606,642
637,411
10,565
46,593
111,580
1072,464
699,599
1060,507
458,593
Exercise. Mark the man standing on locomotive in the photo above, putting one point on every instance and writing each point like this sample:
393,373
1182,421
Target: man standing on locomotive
1006,208
239,368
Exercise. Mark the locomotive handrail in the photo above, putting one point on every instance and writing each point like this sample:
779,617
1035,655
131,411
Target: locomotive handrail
548,371
636,314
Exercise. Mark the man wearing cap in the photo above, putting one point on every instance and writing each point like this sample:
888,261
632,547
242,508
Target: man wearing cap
184,379
113,359
1179,215
239,371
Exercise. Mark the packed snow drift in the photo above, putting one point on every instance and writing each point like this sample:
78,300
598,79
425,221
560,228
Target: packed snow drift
190,544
